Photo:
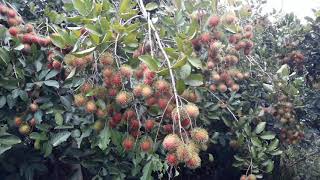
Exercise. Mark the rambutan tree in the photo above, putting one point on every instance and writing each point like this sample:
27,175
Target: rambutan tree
142,89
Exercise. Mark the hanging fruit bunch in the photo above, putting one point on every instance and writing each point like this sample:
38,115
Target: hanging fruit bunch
295,60
223,51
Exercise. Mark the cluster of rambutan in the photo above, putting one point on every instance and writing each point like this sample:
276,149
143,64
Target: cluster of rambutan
295,59
25,127
185,150
225,79
78,62
224,57
291,132
25,33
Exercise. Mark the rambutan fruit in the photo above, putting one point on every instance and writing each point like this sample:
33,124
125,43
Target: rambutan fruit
117,117
205,37
193,147
183,153
135,133
134,124
18,121
171,142
137,90
149,124
216,76
248,35
186,122
112,124
192,110
106,58
222,88
146,145
24,129
98,125
194,162
239,75
32,122
101,113
243,177
249,44
172,159
151,101
13,31
79,100
248,27
33,107
252,177
91,106
3,9
26,49
167,128
123,98
210,65
139,74
196,44
162,86
146,91
126,71
200,135
162,103
128,143
213,87
230,19
28,28
213,21
235,87
56,65
117,80
86,87
149,74
11,13
107,72
13,22
27,38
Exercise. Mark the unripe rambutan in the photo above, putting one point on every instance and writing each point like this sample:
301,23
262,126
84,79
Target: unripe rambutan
106,58
134,124
123,98
214,21
171,142
162,86
91,107
183,153
117,117
146,145
98,125
137,90
194,162
24,129
192,110
200,135
107,72
128,143
149,124
146,91
222,88
172,159
126,71
79,100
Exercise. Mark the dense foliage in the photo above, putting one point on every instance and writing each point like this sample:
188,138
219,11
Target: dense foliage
135,89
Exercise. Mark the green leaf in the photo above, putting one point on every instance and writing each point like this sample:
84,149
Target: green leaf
180,86
104,138
51,74
256,142
2,101
273,145
85,52
4,57
194,80
260,127
84,7
283,72
150,62
195,62
58,118
270,166
59,138
58,40
267,135
72,73
276,153
151,6
38,136
185,71
4,148
52,83
9,139
147,170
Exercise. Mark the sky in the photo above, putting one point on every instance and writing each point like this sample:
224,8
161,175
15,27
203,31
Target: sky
301,8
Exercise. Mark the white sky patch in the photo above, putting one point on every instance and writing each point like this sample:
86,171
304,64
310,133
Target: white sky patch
300,8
